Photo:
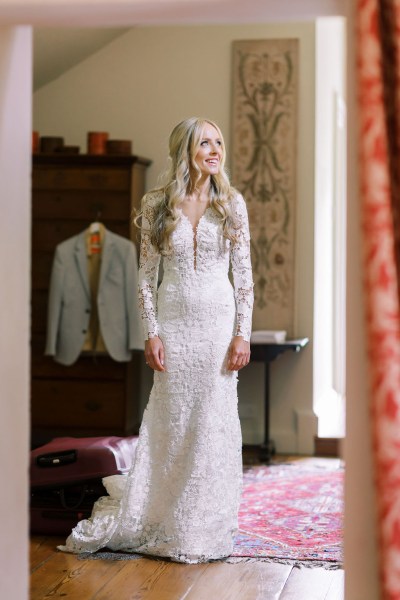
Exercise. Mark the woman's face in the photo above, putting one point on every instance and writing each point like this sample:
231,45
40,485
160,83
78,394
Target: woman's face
209,154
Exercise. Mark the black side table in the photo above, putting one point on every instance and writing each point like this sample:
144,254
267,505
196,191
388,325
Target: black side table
266,353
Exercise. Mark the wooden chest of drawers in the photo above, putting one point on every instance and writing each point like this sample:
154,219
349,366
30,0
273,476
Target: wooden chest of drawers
94,396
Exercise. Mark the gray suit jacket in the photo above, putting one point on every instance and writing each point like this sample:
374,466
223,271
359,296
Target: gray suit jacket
117,300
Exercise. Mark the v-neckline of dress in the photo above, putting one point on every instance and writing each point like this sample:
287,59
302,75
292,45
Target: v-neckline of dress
194,228
194,232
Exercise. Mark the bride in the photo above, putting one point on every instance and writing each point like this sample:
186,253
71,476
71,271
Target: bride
181,497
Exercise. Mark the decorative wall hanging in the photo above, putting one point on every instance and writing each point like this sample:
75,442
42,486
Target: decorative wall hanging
263,165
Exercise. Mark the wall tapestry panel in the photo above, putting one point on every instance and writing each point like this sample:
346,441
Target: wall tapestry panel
263,166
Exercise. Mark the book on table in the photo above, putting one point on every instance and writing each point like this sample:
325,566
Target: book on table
264,336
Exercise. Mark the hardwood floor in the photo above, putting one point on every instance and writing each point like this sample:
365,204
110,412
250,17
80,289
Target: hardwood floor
56,574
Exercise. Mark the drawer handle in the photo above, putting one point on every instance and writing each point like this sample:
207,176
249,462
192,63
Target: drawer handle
93,406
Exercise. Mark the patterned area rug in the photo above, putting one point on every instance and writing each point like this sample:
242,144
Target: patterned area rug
292,513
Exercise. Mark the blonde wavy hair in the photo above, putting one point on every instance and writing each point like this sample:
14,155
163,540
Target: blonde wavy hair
181,179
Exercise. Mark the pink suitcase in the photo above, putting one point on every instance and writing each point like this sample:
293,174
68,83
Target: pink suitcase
66,478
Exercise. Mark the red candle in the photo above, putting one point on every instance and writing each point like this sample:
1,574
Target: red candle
96,142
35,142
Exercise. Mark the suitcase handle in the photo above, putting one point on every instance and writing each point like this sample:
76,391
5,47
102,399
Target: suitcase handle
56,459
64,502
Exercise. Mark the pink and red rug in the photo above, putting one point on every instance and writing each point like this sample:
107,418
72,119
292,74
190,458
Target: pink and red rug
292,513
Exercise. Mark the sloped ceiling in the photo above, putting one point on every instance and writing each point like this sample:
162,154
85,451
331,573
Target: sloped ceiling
56,50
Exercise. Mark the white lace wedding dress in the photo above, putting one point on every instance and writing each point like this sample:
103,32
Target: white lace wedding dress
181,497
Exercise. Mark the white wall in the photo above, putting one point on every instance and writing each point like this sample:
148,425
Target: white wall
139,87
15,146
330,84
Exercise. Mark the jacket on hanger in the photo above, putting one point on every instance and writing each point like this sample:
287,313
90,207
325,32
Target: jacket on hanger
72,303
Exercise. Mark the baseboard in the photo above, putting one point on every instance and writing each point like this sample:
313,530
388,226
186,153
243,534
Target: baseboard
327,446
306,429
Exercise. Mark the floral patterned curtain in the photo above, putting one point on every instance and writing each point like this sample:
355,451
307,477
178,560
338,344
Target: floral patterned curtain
378,23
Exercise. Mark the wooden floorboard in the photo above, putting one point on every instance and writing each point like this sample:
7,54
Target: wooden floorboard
122,581
57,574
308,584
151,579
336,590
41,549
241,581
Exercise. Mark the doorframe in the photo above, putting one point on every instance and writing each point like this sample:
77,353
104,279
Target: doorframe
359,525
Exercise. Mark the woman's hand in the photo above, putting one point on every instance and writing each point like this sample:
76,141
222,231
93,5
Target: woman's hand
154,353
238,354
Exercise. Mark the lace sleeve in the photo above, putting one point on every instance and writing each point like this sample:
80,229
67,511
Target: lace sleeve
241,270
149,263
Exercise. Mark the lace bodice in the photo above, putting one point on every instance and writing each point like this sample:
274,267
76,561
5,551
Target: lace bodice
199,259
